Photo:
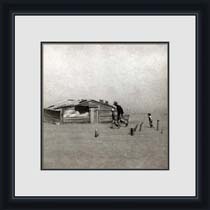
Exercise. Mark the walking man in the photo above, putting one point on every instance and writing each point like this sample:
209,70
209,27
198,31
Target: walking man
120,113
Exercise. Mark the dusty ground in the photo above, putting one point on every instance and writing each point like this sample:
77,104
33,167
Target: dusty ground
73,146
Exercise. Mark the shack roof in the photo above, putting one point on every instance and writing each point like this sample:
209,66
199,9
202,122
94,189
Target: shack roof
94,103
84,102
63,104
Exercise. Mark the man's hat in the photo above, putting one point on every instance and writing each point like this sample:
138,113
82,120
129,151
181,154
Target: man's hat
115,102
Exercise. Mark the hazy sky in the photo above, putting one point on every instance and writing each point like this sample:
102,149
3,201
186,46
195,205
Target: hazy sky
135,75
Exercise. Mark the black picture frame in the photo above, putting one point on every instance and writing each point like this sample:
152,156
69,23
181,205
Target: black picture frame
201,8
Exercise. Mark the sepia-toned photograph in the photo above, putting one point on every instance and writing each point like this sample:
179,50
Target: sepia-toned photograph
105,105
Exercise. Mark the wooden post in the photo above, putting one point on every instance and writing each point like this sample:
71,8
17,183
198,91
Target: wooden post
91,115
140,127
61,116
157,125
97,115
132,132
96,133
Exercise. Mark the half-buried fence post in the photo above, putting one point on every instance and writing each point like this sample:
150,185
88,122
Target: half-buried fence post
96,133
132,131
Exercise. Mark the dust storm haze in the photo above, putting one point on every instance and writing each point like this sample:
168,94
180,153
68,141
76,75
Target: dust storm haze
135,75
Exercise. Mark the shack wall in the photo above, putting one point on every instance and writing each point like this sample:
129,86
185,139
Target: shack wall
105,116
52,116
76,120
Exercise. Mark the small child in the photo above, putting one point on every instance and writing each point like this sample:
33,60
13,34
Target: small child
150,120
114,118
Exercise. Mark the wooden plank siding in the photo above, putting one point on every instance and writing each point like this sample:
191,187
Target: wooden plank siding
105,116
76,120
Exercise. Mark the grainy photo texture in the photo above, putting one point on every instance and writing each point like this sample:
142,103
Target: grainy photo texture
105,105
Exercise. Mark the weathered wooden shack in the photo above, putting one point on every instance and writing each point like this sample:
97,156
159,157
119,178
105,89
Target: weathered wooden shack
100,111
81,111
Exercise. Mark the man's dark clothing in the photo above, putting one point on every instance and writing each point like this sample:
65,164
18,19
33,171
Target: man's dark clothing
120,112
119,109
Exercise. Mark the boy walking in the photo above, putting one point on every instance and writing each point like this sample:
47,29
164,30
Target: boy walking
150,120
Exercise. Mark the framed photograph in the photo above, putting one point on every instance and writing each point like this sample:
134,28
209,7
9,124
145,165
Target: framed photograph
88,132
104,106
